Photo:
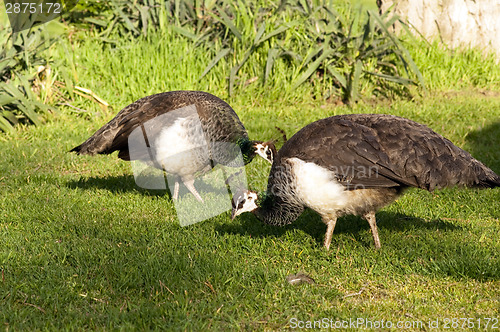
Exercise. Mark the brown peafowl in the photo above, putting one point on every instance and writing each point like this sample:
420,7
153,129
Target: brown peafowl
186,133
356,164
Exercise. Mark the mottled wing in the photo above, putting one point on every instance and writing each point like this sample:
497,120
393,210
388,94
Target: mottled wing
219,121
371,150
351,151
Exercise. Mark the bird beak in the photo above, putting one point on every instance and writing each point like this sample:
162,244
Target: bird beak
234,213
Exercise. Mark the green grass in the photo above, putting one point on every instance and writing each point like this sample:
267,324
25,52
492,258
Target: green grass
82,247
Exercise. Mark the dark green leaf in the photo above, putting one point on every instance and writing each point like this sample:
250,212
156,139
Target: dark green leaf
227,22
407,59
259,34
5,125
271,57
338,76
276,32
312,68
185,32
96,21
215,60
396,79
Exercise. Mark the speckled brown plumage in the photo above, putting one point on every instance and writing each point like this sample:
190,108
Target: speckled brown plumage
184,133
219,121
358,163
403,152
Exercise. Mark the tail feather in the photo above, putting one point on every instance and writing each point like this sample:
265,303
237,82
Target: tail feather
491,182
100,142
486,178
88,147
77,149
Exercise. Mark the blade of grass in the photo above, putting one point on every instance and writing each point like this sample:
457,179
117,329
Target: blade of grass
271,57
395,79
125,19
338,76
215,61
235,69
227,22
276,32
259,34
312,68
355,80
5,125
408,60
185,32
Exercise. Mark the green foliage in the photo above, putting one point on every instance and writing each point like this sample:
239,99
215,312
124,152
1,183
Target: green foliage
461,68
22,60
349,54
353,49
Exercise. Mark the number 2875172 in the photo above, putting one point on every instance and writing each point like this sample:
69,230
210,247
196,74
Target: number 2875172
33,8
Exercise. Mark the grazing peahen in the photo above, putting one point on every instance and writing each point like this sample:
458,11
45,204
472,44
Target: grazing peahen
185,133
356,164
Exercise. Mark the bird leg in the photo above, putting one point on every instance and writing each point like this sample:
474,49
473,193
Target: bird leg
176,189
330,226
176,184
370,217
190,185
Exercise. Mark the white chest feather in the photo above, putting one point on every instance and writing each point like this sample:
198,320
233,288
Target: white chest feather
317,188
181,151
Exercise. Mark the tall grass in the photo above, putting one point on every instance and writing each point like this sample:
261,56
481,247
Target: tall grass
321,51
461,68
346,51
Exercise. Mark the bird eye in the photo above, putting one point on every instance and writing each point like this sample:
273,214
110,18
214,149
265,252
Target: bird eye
240,204
268,152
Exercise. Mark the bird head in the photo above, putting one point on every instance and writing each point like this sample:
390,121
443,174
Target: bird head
266,150
244,201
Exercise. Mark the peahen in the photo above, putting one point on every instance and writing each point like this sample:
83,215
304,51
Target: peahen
185,133
356,164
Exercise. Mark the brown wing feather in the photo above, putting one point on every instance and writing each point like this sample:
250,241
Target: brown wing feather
219,120
372,150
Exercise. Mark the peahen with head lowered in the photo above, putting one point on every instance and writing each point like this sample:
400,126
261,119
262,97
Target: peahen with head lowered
185,133
356,164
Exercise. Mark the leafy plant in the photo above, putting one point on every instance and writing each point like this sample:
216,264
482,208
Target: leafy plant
22,60
245,31
354,48
348,54
346,50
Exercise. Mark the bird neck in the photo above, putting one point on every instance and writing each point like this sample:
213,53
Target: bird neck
277,210
247,149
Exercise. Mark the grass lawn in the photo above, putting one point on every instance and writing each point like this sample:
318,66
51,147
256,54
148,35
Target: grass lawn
82,247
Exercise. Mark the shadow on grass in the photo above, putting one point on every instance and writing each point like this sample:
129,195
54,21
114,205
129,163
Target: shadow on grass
126,183
433,247
310,223
484,145
115,184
